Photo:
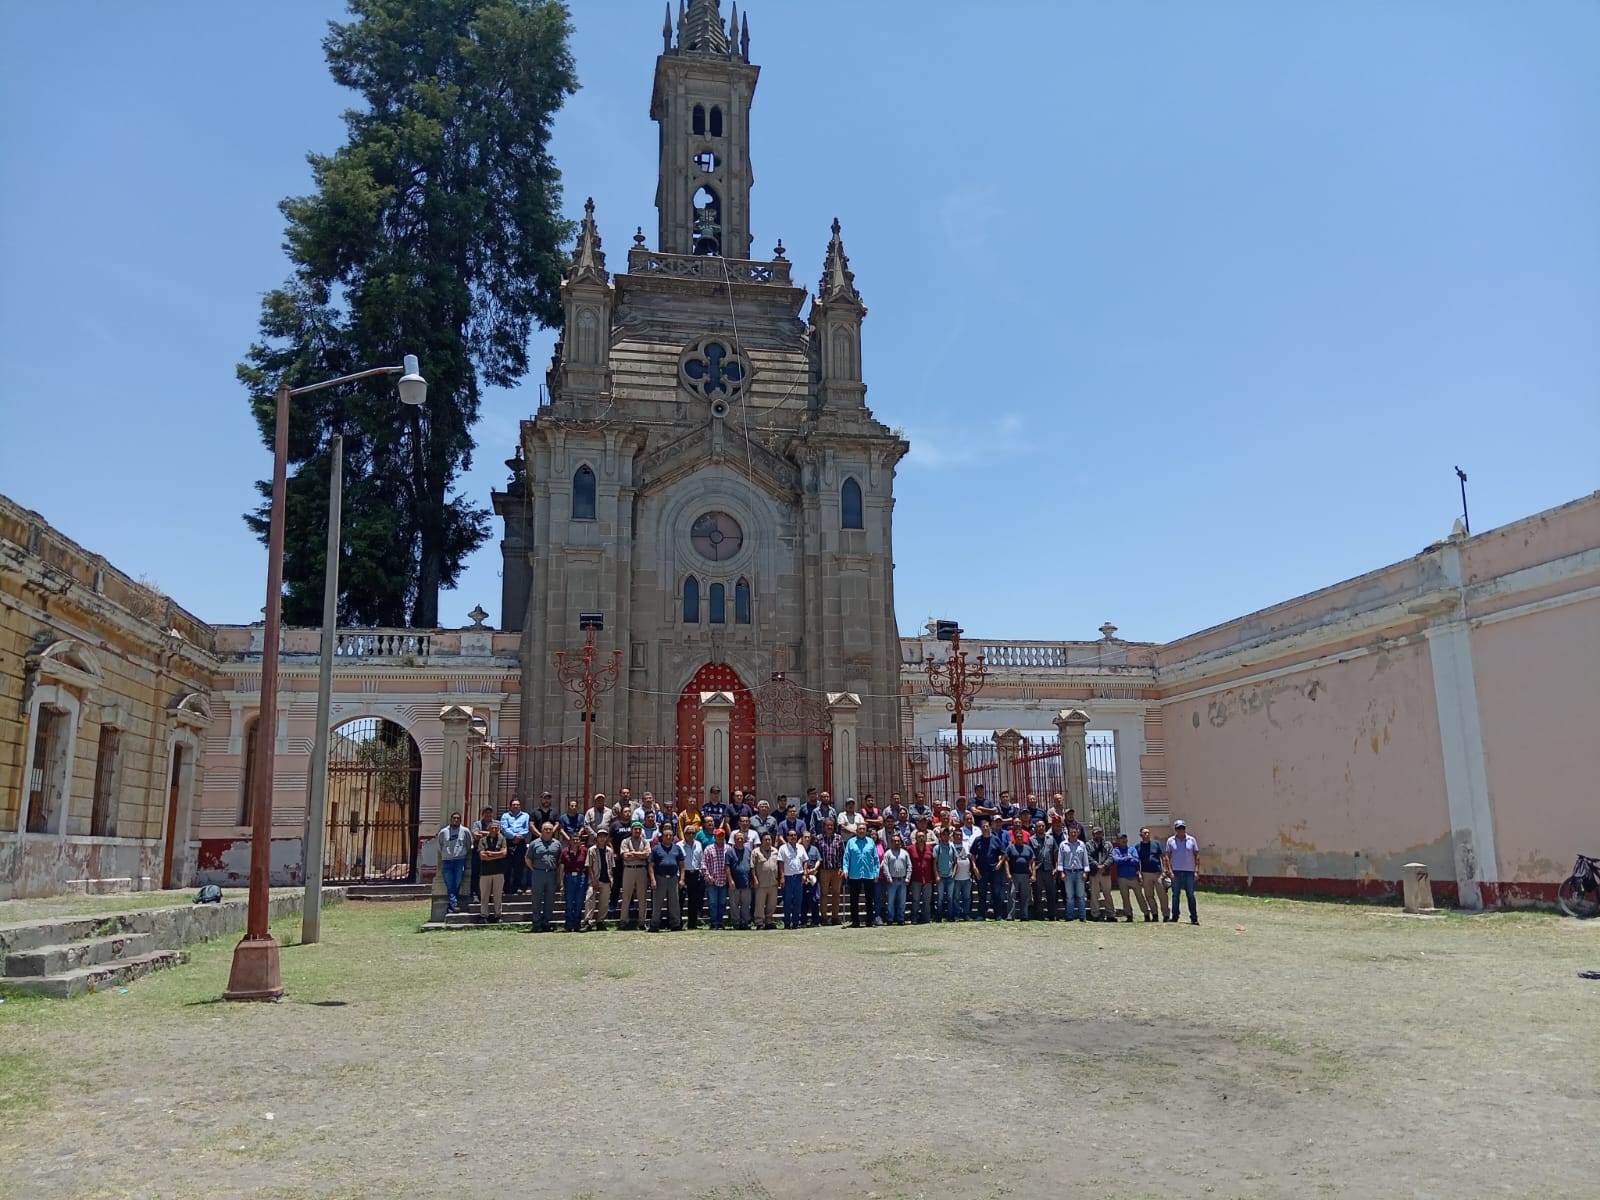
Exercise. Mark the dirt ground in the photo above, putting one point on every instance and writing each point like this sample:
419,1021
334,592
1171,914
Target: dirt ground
1319,1050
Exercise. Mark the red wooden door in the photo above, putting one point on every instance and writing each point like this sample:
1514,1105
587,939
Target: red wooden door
715,677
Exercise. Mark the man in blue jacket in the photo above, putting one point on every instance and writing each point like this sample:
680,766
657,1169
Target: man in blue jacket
861,874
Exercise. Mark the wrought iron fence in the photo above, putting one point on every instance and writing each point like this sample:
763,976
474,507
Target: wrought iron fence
372,822
1039,769
526,772
883,768
888,767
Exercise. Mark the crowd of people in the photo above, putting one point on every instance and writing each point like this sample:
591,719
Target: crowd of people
740,864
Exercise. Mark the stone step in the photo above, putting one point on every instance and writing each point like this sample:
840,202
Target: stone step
57,931
388,891
75,982
53,960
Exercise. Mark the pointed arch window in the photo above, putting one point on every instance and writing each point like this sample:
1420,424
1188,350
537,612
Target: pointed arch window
583,502
741,602
698,121
716,122
691,601
719,604
850,516
707,222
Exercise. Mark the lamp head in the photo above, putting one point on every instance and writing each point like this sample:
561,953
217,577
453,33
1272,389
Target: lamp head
413,387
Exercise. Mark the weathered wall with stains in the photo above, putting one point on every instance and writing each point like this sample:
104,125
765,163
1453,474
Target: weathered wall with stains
1439,710
1539,700
1331,776
104,690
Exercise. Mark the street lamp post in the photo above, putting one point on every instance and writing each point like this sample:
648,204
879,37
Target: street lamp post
583,680
959,682
255,974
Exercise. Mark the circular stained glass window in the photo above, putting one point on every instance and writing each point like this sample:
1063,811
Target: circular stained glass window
716,536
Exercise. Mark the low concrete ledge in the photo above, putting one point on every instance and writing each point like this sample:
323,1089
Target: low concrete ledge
170,928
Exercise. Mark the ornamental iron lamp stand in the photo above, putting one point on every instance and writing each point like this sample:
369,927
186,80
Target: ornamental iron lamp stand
959,682
584,680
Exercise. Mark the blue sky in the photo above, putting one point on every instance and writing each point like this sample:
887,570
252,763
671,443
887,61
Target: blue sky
1187,308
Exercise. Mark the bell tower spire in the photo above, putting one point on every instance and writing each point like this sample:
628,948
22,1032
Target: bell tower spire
703,89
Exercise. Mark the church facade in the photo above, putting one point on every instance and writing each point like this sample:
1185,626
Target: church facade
707,475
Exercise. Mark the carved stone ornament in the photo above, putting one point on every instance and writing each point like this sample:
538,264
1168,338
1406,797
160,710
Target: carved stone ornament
713,368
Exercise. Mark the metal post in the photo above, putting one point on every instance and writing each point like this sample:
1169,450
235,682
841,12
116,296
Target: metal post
317,808
255,974
1465,523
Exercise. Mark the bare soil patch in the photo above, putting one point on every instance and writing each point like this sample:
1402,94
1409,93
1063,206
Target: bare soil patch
1321,1050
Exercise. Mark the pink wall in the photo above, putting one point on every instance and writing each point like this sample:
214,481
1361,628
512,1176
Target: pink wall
1330,774
1538,681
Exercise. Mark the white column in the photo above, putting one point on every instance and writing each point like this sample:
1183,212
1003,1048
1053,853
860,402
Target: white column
457,722
1007,745
1071,725
716,711
1466,778
844,708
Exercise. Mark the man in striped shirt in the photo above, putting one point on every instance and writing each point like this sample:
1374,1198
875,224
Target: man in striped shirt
714,870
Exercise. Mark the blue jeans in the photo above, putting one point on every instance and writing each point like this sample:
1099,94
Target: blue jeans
793,897
453,870
895,904
963,899
875,909
573,892
1183,881
1077,896
944,899
717,903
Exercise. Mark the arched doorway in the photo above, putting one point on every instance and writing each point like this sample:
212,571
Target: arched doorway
716,677
374,794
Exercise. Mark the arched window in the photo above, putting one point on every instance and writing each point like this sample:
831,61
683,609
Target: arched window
691,601
741,602
850,506
699,120
583,494
719,605
716,122
247,794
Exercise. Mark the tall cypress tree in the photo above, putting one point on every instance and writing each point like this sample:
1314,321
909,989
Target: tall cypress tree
434,230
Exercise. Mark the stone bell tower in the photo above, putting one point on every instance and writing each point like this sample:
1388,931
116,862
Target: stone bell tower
707,473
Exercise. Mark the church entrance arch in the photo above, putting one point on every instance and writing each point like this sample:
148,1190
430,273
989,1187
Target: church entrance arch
715,677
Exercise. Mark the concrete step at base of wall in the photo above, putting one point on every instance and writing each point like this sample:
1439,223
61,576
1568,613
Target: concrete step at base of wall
96,978
53,960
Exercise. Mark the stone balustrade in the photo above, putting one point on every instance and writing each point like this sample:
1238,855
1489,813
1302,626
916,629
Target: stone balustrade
1024,656
381,643
717,270
418,647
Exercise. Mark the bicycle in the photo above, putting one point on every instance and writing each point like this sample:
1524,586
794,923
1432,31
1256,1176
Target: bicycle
1579,893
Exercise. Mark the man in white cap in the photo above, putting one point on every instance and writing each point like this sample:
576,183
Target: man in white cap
1182,851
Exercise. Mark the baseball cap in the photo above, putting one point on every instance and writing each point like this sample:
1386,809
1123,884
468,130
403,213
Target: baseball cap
1180,824
638,824
544,795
